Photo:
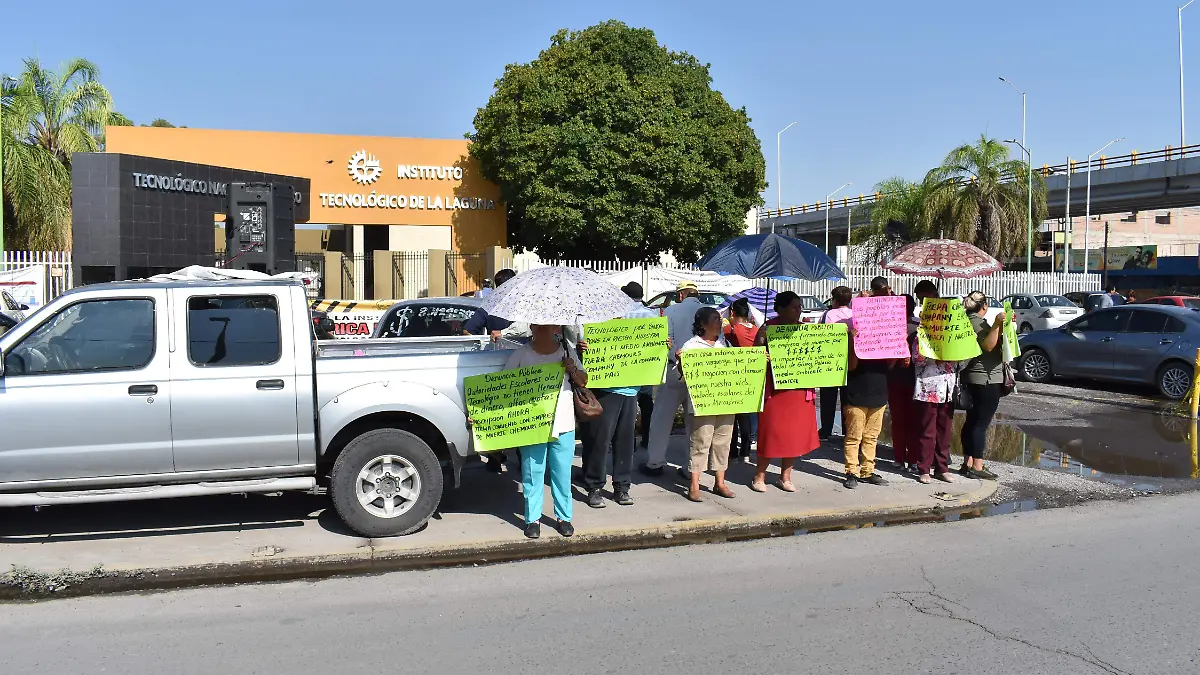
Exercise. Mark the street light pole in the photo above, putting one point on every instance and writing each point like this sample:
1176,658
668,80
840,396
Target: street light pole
1070,225
827,198
1087,209
1182,136
779,172
1029,186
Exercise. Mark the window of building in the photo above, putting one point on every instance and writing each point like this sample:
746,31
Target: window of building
1163,218
1130,217
87,337
233,330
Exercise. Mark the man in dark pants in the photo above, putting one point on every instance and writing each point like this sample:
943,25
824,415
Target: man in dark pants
614,430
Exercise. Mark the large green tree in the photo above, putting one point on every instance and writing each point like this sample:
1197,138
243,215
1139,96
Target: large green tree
608,144
47,115
977,195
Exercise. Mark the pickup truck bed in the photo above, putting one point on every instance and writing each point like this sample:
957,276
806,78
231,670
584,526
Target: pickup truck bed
140,390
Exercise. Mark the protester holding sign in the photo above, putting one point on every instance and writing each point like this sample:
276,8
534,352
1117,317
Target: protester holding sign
741,332
840,313
621,355
708,435
984,377
901,384
787,427
558,452
933,396
865,400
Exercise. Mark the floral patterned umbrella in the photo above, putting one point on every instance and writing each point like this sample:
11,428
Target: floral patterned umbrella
558,296
942,258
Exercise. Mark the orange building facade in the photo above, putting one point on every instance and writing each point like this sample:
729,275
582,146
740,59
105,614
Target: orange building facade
371,193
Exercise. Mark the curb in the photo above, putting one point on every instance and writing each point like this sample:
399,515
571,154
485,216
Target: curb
370,561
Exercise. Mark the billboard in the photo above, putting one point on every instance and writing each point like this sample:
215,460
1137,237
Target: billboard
1143,257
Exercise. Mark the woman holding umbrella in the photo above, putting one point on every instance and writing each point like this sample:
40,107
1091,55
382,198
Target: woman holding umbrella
557,453
787,426
550,299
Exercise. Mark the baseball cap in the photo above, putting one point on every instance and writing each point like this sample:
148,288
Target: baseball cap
686,286
634,290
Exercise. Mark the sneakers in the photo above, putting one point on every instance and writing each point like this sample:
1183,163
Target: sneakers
595,499
622,497
565,528
652,471
979,474
533,530
851,481
874,479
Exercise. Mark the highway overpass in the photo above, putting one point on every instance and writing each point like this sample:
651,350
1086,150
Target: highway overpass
1162,179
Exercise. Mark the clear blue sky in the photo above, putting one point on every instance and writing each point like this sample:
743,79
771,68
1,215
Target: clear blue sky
878,88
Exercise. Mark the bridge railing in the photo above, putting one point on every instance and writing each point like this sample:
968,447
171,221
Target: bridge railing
1101,162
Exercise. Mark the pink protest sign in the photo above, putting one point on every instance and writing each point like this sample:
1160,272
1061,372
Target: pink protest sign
882,327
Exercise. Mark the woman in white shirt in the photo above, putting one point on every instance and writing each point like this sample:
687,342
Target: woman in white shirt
546,347
708,435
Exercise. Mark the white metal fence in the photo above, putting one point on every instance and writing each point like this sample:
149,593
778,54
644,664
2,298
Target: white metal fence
53,270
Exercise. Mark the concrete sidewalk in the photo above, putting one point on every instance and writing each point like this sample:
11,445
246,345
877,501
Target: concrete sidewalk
228,539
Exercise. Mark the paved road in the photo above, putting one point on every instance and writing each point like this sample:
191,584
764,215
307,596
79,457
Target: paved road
1102,588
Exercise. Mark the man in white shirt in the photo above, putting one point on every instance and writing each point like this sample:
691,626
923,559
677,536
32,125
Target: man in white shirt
673,391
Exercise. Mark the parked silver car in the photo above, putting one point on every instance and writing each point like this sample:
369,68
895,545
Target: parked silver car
1150,344
1041,311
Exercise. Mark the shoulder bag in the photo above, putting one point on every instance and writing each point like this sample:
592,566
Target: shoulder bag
587,406
962,395
1010,380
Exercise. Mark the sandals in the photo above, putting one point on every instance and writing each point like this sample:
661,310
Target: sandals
758,486
724,491
924,479
785,485
695,496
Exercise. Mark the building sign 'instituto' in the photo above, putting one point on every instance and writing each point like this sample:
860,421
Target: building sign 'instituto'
365,169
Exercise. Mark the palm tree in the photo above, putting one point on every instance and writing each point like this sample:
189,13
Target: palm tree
900,201
981,197
47,116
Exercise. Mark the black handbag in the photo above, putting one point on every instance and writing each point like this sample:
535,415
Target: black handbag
962,396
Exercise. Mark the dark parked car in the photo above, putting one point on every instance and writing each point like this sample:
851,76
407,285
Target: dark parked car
1079,298
1150,344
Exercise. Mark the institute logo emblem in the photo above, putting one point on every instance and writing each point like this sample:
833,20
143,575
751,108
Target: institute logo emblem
364,168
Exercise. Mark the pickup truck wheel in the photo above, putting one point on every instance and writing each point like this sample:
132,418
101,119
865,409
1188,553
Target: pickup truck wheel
386,482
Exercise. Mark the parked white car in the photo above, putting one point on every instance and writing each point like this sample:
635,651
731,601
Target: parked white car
1041,311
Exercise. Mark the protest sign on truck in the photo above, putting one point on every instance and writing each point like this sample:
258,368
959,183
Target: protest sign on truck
725,381
807,355
626,352
512,408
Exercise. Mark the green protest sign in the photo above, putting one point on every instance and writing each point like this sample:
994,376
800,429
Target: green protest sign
625,352
945,333
512,408
808,355
725,381
1012,347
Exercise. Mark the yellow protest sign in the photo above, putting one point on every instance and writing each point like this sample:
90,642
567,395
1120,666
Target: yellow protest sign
725,381
512,408
808,355
945,333
625,352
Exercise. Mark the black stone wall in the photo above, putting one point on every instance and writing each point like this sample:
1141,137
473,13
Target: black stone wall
125,227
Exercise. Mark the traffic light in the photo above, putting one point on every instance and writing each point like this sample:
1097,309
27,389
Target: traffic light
260,228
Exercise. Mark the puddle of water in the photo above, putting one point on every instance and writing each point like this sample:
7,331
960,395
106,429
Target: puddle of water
1136,449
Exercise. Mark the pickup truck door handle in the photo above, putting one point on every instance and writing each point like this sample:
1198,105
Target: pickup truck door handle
1165,341
143,389
269,385
1106,339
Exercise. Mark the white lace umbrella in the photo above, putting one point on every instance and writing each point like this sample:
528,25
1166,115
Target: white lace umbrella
558,296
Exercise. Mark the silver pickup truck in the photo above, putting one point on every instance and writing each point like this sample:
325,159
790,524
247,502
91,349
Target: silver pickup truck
142,390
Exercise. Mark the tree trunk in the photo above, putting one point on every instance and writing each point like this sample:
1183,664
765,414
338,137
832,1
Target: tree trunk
989,235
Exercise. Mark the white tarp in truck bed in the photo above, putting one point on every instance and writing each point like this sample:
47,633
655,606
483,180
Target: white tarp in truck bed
201,273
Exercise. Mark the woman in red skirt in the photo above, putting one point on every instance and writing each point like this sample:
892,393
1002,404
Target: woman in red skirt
787,427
